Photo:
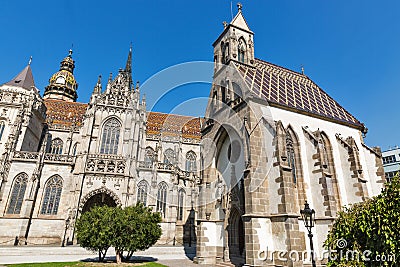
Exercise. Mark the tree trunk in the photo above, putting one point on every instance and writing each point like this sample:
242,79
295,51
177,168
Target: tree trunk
118,256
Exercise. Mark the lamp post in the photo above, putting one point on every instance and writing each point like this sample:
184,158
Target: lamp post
65,231
308,216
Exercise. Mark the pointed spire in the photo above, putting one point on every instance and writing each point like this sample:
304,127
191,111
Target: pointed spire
23,79
128,67
97,87
108,88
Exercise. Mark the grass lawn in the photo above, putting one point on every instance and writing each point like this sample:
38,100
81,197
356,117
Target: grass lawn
85,264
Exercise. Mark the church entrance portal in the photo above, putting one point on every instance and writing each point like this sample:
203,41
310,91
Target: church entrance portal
99,199
236,241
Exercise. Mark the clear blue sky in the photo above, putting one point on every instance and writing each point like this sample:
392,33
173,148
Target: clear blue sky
350,48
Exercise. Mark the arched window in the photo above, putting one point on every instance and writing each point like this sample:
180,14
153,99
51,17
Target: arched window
56,146
110,138
17,194
2,126
150,157
142,192
291,156
191,161
241,50
181,203
162,198
74,149
169,156
52,195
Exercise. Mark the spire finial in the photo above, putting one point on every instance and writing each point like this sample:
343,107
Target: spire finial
30,60
302,69
225,24
240,6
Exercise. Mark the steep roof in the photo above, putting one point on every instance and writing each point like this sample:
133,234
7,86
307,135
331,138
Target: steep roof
71,113
64,113
173,125
23,79
294,91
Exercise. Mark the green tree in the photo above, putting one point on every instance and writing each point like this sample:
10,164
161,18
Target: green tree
366,231
127,230
136,228
94,229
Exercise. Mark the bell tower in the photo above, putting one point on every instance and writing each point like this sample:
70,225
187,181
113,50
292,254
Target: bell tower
62,85
235,43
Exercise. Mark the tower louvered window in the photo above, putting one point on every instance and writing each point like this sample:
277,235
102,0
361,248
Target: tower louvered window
52,195
162,198
56,146
17,194
142,192
110,137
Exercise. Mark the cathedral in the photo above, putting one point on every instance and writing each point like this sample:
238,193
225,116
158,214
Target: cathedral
232,183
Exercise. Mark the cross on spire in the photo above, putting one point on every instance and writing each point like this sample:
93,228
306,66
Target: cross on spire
30,61
240,6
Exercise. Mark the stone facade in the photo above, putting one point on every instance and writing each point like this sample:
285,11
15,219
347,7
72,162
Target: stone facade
280,141
60,157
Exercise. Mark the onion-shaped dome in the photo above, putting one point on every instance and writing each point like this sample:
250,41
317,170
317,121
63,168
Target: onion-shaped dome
62,84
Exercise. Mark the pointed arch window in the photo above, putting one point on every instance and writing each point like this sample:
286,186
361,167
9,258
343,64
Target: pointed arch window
150,157
110,137
56,146
74,149
2,126
241,50
52,195
291,156
169,156
17,194
191,161
181,203
142,192
162,198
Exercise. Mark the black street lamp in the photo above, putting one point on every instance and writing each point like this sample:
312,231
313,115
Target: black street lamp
308,216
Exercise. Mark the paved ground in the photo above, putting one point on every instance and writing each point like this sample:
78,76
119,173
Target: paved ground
167,255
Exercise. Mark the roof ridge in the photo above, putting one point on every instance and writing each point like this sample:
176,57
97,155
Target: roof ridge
173,114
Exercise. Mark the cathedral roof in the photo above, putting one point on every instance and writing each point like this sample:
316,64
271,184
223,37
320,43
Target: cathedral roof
23,79
64,113
173,125
294,91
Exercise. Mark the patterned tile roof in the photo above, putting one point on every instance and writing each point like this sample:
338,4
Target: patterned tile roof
175,125
68,113
295,91
64,113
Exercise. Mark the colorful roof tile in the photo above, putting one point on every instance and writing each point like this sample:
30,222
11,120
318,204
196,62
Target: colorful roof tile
64,113
173,125
294,91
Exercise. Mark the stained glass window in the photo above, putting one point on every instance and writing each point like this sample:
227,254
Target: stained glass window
2,126
169,156
52,195
181,199
191,161
150,157
162,198
142,192
110,139
17,194
291,155
56,146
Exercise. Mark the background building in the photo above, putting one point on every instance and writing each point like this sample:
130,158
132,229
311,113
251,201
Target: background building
391,162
